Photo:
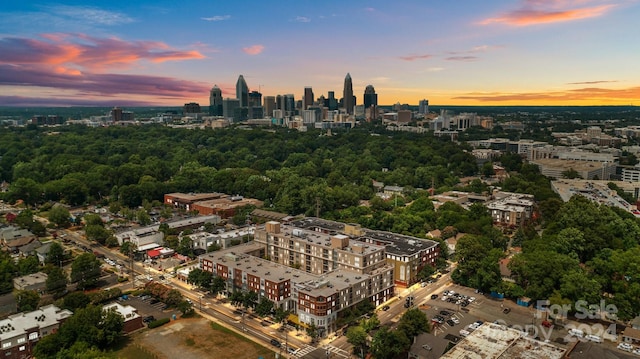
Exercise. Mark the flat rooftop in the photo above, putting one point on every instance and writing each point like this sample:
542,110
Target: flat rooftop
595,191
193,197
394,243
493,341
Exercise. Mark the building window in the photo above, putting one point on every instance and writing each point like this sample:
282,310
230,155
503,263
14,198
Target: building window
22,348
33,335
21,340
6,345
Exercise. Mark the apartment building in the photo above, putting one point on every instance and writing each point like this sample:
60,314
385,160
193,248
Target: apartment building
20,332
321,245
316,299
511,209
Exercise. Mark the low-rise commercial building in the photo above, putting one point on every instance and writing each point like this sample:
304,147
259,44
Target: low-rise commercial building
494,341
209,203
132,320
35,281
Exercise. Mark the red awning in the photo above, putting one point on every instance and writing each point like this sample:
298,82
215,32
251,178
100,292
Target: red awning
153,253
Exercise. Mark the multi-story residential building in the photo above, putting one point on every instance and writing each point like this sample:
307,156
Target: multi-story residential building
315,299
511,209
20,332
408,255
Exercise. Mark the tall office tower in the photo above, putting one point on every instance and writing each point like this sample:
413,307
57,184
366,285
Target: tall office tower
349,101
279,102
242,92
229,107
332,102
255,105
269,105
215,101
370,97
308,98
423,107
255,99
289,105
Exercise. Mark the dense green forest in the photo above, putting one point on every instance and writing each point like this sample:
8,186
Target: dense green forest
575,250
286,169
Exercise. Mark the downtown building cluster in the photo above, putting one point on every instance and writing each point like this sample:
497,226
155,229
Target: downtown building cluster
251,105
317,268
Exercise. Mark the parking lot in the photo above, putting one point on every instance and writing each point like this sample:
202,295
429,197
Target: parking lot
148,306
487,309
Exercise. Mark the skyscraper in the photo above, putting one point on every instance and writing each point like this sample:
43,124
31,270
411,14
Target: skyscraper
215,101
423,107
255,105
308,98
269,105
242,92
349,101
370,97
332,102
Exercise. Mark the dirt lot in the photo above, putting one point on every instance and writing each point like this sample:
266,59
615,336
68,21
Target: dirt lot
195,339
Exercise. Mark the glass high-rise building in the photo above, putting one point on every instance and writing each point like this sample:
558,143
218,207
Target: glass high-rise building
242,92
370,97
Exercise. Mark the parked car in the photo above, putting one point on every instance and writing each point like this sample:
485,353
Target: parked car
506,310
451,322
547,324
276,343
625,346
445,313
385,308
148,319
434,296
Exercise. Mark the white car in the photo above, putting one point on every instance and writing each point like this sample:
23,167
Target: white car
636,351
625,346
464,333
455,320
471,299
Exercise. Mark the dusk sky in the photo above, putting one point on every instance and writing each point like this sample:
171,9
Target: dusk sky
462,52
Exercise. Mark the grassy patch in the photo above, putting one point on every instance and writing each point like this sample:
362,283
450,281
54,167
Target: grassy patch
190,342
133,351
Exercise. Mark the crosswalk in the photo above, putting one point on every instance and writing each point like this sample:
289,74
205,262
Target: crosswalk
333,352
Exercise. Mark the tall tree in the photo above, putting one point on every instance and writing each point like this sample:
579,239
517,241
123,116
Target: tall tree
27,300
60,216
57,280
85,271
55,256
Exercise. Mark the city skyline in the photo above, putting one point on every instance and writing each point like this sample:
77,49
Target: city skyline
524,52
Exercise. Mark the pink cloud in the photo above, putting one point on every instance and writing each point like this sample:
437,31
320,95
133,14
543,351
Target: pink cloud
462,58
86,52
253,50
534,12
415,57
